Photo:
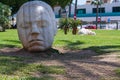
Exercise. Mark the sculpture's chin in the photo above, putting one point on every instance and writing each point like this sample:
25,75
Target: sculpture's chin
36,48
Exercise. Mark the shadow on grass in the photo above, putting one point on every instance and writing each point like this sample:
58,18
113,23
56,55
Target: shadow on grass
17,66
10,64
23,61
10,43
7,45
36,78
104,49
14,41
19,62
98,49
72,45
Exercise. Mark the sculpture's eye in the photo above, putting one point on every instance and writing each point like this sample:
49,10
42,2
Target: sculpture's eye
39,24
26,26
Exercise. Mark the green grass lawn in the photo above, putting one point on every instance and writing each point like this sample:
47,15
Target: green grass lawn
15,68
9,39
103,41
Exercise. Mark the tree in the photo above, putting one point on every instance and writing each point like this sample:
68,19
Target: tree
15,4
97,3
70,8
75,10
63,3
5,12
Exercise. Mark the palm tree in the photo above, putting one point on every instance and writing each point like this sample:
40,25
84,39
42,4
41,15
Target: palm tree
75,9
97,3
70,7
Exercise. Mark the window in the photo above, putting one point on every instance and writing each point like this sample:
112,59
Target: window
116,9
81,11
101,10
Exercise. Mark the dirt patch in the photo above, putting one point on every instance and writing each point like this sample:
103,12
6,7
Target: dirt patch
79,64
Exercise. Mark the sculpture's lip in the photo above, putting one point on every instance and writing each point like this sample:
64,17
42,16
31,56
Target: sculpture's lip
35,40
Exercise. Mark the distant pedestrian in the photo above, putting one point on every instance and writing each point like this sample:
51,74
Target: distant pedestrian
13,23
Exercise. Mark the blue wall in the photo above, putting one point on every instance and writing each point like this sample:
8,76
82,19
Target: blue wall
93,15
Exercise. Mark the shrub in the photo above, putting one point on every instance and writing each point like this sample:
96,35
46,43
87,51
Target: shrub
66,23
5,12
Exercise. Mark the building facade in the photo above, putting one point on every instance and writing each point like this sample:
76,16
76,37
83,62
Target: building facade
87,12
106,11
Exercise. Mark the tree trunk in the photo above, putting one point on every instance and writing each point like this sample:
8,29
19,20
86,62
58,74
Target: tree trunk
75,11
97,16
117,26
66,29
69,10
74,30
3,29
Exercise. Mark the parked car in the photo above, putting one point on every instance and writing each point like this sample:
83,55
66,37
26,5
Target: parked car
90,27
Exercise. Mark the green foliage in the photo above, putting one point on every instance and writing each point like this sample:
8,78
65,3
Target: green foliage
97,2
64,22
75,23
61,3
14,4
69,22
52,3
5,12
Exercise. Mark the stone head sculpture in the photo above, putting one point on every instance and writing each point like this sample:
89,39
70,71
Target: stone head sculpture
36,26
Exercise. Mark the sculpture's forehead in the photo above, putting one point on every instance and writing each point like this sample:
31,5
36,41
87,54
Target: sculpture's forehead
34,13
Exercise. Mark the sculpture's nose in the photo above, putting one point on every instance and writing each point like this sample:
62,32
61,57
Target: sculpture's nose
35,29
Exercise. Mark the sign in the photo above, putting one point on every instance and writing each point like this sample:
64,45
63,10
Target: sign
98,19
108,20
75,17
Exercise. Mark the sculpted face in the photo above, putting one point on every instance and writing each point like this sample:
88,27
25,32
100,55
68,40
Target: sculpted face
36,26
